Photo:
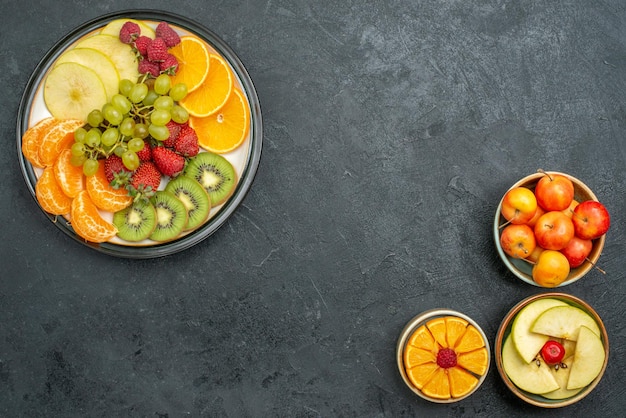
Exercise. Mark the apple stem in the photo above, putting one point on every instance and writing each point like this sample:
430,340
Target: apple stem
504,224
595,266
542,171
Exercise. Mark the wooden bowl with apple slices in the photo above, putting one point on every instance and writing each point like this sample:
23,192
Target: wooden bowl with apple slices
523,267
551,319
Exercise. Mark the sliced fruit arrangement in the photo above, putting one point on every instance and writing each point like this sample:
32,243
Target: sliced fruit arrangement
554,349
445,358
119,155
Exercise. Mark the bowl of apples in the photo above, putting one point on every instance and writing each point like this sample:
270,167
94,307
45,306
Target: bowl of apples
551,349
550,228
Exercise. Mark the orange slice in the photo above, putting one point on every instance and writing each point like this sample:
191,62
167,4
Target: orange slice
103,195
455,327
87,221
31,140
461,382
422,338
469,341
414,356
50,195
55,140
421,374
474,361
70,177
214,91
437,327
193,62
226,129
438,387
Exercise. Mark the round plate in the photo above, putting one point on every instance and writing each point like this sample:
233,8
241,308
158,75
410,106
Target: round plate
245,159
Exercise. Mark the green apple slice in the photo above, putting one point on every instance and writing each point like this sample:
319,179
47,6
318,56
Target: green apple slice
96,60
528,343
564,322
530,377
561,375
588,359
114,26
121,54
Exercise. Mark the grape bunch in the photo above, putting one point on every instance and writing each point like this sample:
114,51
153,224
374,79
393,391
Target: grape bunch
139,111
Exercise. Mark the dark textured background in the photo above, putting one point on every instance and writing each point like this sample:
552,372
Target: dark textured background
391,130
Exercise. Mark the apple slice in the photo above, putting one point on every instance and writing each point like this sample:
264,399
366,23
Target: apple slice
526,342
561,375
121,54
564,322
588,359
527,376
96,60
114,26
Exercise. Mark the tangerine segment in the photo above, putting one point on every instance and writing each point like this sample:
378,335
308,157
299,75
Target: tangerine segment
475,361
226,129
103,195
31,140
57,138
87,221
461,382
214,91
455,327
469,341
70,177
422,338
438,387
437,327
50,195
193,62
414,356
421,374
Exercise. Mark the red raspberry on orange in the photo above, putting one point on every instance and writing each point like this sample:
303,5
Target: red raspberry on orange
446,358
169,35
129,32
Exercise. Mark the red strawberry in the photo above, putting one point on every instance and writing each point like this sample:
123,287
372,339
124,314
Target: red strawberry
129,32
146,152
148,67
141,45
167,161
174,129
169,65
117,175
157,50
186,143
169,35
145,180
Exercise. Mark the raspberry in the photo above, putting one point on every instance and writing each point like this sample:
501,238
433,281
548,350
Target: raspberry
446,358
148,67
129,32
141,45
169,35
186,143
169,65
157,50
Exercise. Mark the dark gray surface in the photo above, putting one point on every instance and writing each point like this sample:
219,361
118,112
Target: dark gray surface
391,130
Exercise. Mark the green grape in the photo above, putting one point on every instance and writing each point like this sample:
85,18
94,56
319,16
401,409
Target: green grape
136,144
110,136
138,92
140,131
119,150
162,84
90,167
121,103
112,114
92,139
79,135
126,86
179,114
178,92
127,127
130,159
150,98
78,149
164,103
78,160
95,118
160,117
158,132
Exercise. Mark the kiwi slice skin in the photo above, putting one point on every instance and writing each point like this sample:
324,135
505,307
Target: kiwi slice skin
194,197
136,222
215,174
171,216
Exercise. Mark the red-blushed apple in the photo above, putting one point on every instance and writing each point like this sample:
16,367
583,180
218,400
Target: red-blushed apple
554,230
554,192
551,269
569,211
577,250
533,220
518,241
518,205
591,219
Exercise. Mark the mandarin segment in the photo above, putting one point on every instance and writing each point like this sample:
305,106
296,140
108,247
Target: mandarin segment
87,221
50,195
193,62
438,387
437,327
57,138
461,382
420,375
70,177
469,341
213,92
455,328
104,196
475,361
31,140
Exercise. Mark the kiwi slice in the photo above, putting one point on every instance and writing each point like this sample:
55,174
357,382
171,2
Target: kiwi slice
194,197
215,174
135,222
171,216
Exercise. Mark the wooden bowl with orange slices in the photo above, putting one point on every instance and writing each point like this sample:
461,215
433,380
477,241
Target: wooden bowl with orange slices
443,355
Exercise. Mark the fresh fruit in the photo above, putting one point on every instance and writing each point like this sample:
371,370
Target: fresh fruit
588,359
31,140
534,255
519,205
534,377
193,62
554,192
551,268
167,161
564,322
103,195
554,230
215,174
569,211
57,138
577,251
169,35
561,375
171,216
186,142
121,54
94,59
129,32
145,181
194,197
213,93
49,194
227,129
116,172
518,240
591,220
72,90
136,222
87,221
69,177
113,27
157,50
552,352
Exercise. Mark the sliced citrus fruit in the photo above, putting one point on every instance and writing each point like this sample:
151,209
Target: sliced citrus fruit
437,327
469,341
103,195
438,387
193,62
70,177
455,327
461,382
213,92
421,374
87,221
475,361
57,138
226,129
422,338
31,140
414,356
50,195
